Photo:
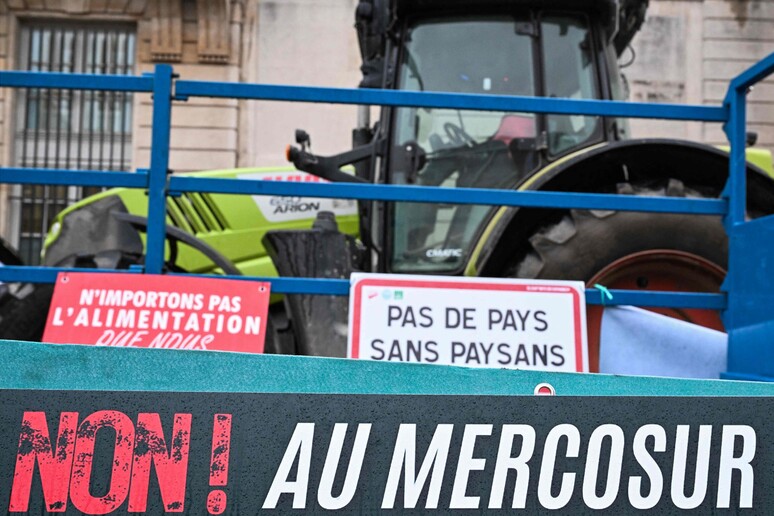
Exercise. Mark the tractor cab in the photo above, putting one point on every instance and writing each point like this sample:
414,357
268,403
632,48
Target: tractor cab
529,48
532,53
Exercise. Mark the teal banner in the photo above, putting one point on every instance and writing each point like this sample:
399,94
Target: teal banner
28,365
100,430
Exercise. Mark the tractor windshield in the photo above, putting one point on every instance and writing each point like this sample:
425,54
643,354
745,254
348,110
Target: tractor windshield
480,149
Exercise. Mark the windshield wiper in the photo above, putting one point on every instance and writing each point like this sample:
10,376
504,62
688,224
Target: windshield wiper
412,65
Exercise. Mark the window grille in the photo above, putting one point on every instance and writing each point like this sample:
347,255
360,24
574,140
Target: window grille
68,129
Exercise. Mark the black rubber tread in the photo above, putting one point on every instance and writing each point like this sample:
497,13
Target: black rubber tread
23,315
585,241
8,255
279,332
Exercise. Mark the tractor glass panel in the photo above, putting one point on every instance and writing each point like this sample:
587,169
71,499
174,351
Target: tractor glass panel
459,148
568,64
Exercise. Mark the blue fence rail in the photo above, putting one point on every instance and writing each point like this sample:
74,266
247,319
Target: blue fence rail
166,88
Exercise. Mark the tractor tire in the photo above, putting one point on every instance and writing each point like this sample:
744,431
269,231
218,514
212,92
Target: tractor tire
24,310
23,313
634,251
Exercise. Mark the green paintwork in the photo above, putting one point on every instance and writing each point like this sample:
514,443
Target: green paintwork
28,365
761,158
245,224
470,269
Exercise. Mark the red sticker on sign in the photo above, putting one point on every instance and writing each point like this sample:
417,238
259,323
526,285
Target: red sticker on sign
152,311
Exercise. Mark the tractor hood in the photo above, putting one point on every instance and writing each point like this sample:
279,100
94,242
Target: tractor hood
232,224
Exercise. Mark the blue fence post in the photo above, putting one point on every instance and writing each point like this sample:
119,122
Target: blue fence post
735,194
749,284
735,191
159,168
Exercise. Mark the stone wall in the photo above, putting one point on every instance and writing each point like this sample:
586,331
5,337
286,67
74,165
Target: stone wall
736,35
689,50
298,42
205,46
200,38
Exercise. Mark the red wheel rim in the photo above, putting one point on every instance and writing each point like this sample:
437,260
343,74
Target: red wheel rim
660,269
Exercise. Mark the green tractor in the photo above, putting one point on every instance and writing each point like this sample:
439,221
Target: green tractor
206,233
547,48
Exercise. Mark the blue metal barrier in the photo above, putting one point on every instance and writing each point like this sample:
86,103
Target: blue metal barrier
739,312
749,283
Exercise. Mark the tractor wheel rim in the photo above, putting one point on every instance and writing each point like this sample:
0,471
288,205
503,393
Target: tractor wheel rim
659,270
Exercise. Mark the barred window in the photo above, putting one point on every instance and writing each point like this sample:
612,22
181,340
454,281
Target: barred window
68,129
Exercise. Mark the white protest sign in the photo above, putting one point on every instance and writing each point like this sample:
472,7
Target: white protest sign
478,322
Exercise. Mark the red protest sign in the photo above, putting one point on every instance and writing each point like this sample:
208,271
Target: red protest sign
152,311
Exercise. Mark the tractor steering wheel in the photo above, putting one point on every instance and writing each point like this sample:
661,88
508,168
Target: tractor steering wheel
458,136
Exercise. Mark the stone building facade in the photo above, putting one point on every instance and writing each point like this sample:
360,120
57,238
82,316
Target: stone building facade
305,42
686,53
689,50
